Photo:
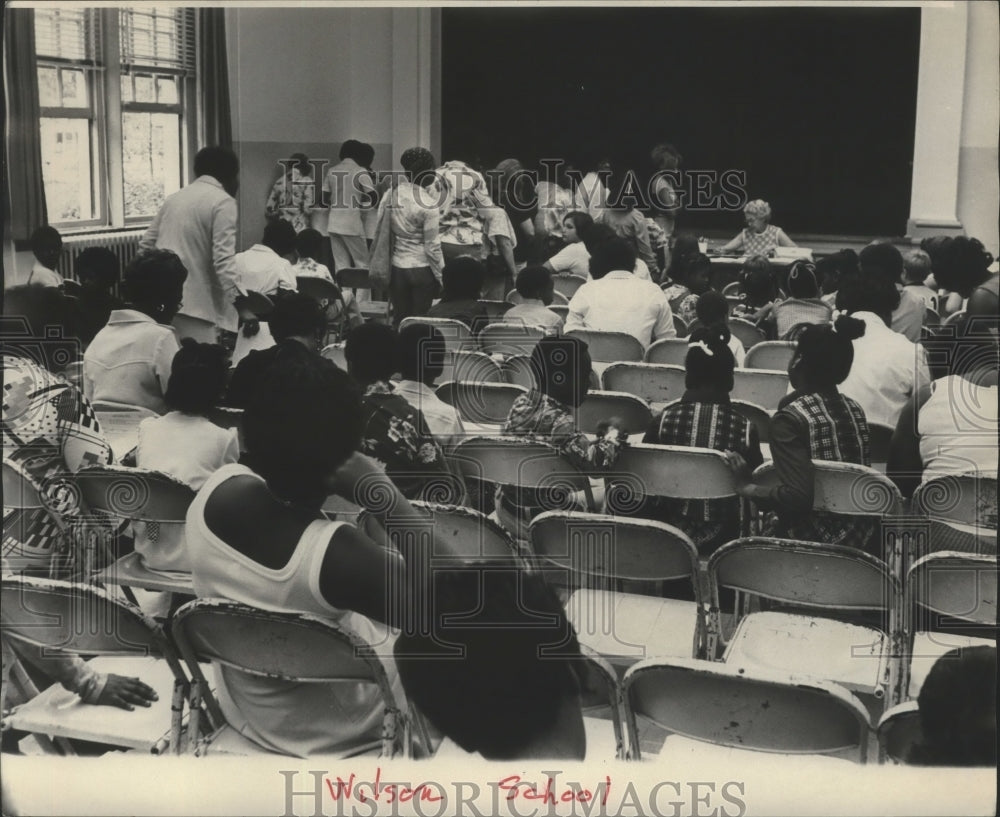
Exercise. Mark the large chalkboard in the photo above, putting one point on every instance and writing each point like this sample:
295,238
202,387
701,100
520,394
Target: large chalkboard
816,105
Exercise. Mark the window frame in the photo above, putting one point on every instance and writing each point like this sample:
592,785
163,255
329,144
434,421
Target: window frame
107,106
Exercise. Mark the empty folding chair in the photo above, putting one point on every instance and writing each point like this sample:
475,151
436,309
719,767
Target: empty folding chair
355,278
761,711
899,731
517,371
656,383
683,330
764,387
480,404
457,336
600,691
562,310
328,295
84,620
135,495
470,367
954,318
732,288
748,333
770,354
961,511
599,406
672,351
600,552
509,339
951,603
808,583
278,646
567,284
514,297
495,309
609,347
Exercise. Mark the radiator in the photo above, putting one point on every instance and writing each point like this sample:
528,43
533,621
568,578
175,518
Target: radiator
124,244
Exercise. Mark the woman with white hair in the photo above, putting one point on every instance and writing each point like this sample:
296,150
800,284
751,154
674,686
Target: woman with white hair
759,237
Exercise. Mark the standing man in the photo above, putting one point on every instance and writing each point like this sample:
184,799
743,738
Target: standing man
348,190
199,224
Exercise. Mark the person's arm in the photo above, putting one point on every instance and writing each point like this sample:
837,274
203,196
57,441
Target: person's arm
922,372
576,316
272,208
224,218
784,240
664,326
506,248
735,244
432,241
148,240
326,190
790,453
905,466
643,248
163,359
590,457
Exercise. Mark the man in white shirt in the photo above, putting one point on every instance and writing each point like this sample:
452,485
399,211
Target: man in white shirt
888,368
421,361
199,224
348,190
617,301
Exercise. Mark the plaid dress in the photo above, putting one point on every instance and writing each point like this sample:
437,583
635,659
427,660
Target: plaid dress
715,425
835,428
760,243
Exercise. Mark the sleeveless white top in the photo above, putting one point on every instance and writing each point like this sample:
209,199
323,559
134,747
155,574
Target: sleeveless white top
299,719
958,428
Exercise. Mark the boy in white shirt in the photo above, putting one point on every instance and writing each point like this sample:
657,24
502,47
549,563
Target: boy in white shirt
535,285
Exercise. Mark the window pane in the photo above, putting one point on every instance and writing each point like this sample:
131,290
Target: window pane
144,91
48,88
74,88
151,157
66,169
126,87
166,90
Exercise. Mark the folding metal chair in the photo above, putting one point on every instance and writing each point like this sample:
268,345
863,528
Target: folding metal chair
764,387
683,330
899,731
80,619
517,370
328,295
599,553
609,347
951,603
599,406
335,352
671,351
135,495
562,310
656,383
879,437
509,339
567,284
457,336
495,309
814,579
281,646
355,278
483,404
961,511
470,367
558,299
119,424
748,333
760,711
770,354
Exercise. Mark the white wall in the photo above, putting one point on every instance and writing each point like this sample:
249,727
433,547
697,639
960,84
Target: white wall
978,183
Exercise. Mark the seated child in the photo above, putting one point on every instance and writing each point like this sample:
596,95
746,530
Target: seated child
916,270
756,290
98,270
712,310
46,244
695,274
803,304
184,444
534,285
308,248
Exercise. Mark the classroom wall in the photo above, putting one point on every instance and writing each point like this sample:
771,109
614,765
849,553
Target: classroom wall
305,80
978,183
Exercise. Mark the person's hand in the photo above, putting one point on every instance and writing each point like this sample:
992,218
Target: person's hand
740,469
126,693
251,327
355,470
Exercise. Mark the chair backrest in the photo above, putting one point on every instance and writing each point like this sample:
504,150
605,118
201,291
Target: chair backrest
597,545
258,303
567,284
732,288
757,415
656,383
562,310
487,403
353,278
335,352
683,330
804,573
129,413
931,317
678,472
226,417
471,367
770,354
899,731
509,339
319,289
954,318
515,297
599,687
879,437
477,536
967,502
747,332
633,412
953,585
517,371
78,618
131,493
727,706
494,309
513,461
761,386
845,488
610,347
672,351
457,336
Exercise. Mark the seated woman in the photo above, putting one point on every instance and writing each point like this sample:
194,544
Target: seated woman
704,418
184,444
393,431
803,304
534,285
562,367
622,216
49,430
129,360
958,710
514,691
757,290
832,269
814,422
462,282
949,426
962,266
256,534
759,237
574,258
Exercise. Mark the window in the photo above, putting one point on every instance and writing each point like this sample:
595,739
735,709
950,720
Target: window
116,90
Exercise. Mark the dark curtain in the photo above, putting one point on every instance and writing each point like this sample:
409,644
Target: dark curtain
22,165
213,78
